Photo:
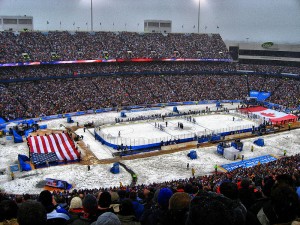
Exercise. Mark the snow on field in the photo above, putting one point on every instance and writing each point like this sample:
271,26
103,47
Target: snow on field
153,169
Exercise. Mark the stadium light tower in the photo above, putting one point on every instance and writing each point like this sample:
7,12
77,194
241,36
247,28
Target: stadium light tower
91,15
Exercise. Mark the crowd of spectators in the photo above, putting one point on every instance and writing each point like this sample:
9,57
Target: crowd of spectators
270,69
56,89
49,97
54,45
63,70
264,194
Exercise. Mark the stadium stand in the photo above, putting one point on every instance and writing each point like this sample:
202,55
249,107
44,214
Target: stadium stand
34,91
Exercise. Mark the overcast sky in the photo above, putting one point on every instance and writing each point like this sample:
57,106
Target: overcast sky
257,20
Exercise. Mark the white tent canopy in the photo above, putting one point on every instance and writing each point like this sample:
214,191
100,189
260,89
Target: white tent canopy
230,152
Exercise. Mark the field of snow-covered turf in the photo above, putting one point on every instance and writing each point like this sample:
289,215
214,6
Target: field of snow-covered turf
152,169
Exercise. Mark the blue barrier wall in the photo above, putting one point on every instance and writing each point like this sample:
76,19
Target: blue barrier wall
134,147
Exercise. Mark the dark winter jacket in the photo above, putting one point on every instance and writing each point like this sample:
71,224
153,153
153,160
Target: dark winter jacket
128,220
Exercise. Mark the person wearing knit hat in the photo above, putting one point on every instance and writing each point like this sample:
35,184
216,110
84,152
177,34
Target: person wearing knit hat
164,196
76,203
90,204
75,209
115,201
179,201
178,209
107,218
91,212
159,212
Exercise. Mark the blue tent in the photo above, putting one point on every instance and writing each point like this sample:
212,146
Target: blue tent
259,142
123,114
69,120
175,109
192,154
22,161
17,137
115,169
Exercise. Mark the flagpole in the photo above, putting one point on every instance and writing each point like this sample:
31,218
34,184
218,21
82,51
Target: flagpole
91,15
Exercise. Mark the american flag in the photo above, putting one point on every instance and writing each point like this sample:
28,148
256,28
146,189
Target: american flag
61,144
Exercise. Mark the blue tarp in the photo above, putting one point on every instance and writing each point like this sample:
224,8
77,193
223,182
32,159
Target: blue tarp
248,163
260,95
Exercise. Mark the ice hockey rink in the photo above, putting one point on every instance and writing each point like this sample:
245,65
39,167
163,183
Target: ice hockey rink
154,131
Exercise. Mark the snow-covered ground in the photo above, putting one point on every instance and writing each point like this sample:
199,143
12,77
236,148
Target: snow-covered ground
153,169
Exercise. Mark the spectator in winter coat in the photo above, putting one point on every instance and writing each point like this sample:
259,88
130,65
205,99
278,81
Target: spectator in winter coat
104,202
158,212
282,208
8,212
75,209
32,213
55,213
107,218
137,206
214,209
91,212
178,209
126,214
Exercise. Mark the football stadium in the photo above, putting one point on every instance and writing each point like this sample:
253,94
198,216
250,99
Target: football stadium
149,113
